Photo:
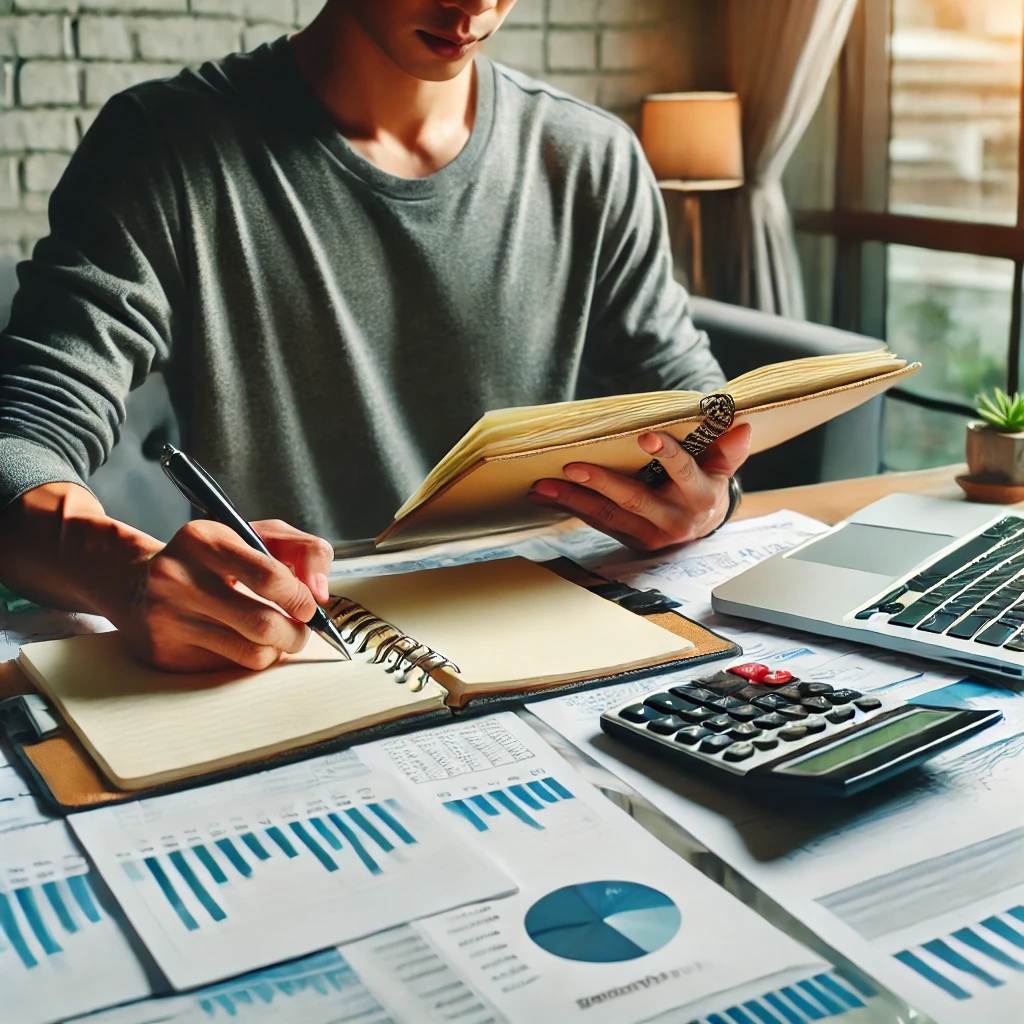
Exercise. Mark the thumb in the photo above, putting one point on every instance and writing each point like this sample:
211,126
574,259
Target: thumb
728,453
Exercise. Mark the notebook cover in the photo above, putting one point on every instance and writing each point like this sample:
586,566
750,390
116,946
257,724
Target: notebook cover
490,496
66,779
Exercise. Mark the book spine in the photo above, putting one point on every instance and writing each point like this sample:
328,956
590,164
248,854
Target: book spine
410,661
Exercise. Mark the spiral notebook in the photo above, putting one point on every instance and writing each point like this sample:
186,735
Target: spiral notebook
428,643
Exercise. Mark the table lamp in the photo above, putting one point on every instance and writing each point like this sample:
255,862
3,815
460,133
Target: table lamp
694,143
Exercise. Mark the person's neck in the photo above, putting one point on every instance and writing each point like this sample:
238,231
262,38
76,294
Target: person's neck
406,126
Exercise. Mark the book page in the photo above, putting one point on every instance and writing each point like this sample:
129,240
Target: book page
145,727
509,623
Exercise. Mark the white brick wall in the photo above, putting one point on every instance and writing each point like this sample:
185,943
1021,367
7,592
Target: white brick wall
61,60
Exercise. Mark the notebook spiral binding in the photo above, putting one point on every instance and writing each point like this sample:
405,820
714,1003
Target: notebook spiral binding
396,651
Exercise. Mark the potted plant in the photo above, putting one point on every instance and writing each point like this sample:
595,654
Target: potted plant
995,443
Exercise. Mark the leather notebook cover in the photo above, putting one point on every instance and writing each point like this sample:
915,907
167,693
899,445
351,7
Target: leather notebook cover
490,496
65,777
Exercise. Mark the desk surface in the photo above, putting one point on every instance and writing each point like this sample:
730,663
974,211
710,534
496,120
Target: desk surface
838,499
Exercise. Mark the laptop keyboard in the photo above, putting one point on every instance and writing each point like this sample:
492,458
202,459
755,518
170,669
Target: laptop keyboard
974,593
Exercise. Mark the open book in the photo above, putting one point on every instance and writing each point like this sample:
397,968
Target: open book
480,486
421,643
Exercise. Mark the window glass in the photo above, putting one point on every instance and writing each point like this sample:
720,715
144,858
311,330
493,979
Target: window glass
955,108
952,312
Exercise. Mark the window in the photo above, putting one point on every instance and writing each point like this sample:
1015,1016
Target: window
907,200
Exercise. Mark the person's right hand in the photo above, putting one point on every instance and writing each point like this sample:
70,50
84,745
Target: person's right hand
187,612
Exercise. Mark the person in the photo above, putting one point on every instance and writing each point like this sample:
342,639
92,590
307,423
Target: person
340,249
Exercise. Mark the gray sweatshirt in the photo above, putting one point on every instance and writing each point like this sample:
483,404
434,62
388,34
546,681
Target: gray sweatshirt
327,330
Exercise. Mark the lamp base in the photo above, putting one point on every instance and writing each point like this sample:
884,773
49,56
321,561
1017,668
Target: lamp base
691,211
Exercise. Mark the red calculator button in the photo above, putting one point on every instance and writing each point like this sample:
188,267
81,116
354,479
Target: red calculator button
752,671
777,678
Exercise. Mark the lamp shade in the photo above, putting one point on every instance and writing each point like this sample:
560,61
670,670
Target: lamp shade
693,140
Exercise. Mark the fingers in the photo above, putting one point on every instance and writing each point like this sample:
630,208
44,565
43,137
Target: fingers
728,453
692,503
178,590
309,557
601,512
222,552
200,645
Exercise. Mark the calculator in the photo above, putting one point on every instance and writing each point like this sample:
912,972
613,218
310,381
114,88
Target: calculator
773,730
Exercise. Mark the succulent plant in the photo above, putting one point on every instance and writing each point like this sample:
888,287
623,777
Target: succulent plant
1002,411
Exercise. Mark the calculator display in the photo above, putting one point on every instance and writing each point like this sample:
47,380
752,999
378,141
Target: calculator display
868,742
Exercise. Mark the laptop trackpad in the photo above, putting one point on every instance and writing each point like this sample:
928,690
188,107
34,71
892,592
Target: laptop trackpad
875,549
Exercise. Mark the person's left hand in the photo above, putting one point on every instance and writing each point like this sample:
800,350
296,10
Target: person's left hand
690,504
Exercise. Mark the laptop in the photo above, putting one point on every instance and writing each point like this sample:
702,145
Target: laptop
923,576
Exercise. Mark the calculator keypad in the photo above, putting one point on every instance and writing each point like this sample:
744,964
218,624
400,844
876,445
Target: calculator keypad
747,715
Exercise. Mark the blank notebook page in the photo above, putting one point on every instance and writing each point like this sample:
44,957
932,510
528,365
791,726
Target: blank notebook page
145,727
509,622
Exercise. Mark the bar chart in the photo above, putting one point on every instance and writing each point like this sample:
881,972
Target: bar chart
525,802
352,840
233,877
822,997
54,925
973,960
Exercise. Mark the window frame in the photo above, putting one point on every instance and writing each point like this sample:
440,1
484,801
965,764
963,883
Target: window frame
860,221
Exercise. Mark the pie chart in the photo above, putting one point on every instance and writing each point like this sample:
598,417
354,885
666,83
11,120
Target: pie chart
603,922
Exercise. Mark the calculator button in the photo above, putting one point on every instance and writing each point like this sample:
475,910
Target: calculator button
841,696
778,678
813,689
667,704
721,682
868,703
739,752
744,731
812,723
695,693
744,713
793,711
713,744
751,670
727,703
666,726
770,701
692,735
770,721
791,692
840,715
765,742
695,713
640,713
719,723
816,704
792,732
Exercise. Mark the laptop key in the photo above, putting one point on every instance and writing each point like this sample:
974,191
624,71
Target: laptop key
916,612
939,622
1016,644
996,635
966,628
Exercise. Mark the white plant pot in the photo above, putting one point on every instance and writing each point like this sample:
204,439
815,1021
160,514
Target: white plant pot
994,457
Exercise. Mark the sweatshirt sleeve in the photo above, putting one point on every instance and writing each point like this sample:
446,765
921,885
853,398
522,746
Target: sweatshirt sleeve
97,305
641,336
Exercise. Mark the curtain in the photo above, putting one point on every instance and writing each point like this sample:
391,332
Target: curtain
781,53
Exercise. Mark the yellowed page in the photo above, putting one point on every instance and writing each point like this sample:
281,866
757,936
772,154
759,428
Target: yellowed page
509,623
508,431
146,727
